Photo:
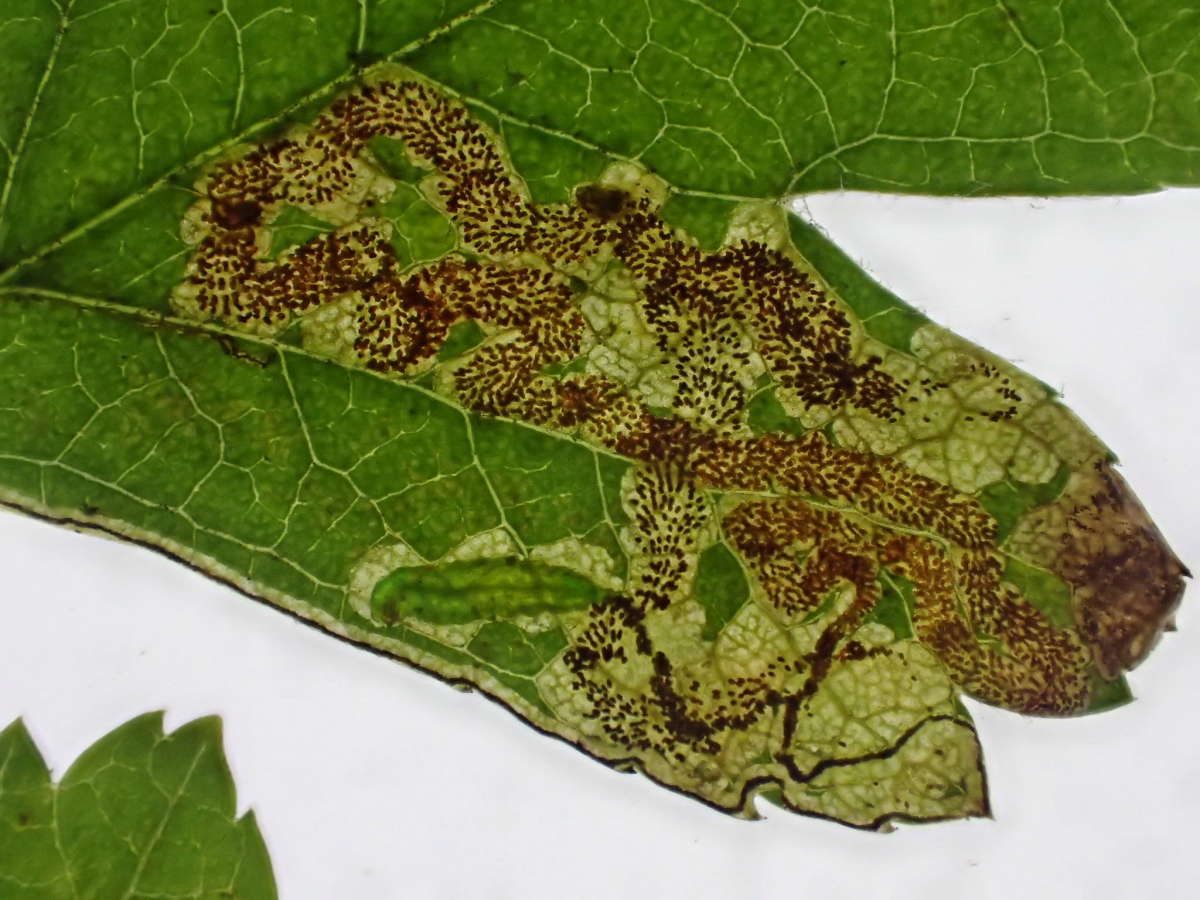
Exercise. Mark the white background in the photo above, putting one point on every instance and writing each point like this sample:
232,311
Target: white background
373,781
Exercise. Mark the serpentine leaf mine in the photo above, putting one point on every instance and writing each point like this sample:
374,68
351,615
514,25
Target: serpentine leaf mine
810,534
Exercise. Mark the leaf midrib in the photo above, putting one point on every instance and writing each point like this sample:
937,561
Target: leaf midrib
151,318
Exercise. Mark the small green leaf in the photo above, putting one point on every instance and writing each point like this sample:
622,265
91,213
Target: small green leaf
139,813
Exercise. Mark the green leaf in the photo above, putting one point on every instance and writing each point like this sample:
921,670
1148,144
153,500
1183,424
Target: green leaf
477,336
140,813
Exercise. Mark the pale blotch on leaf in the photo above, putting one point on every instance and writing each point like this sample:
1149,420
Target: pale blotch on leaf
864,536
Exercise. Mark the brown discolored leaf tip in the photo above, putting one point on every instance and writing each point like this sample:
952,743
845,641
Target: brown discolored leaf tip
1127,581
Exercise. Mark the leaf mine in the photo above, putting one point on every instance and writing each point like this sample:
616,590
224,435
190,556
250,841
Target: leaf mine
663,491
823,535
